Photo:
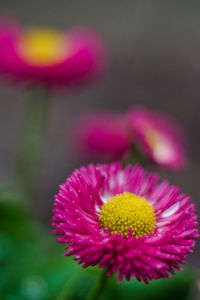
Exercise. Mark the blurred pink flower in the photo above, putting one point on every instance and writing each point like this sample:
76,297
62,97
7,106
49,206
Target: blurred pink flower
158,137
123,220
49,56
102,135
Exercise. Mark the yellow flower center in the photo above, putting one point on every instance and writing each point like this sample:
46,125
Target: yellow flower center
127,211
43,47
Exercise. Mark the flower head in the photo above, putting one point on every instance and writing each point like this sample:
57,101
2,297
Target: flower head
158,137
102,135
49,56
123,220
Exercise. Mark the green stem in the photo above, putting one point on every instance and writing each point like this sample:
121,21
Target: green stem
32,142
134,157
69,289
97,289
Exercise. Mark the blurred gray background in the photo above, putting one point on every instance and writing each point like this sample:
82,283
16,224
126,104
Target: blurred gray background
154,50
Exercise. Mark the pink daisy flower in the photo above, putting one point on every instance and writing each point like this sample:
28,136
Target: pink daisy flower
49,56
158,137
102,135
123,220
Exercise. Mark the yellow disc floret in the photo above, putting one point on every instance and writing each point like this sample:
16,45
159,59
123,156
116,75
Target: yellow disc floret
127,211
43,47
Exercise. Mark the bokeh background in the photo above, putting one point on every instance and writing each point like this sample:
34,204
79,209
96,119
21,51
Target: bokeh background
154,49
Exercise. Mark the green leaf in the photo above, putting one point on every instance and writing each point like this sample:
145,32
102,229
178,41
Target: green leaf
179,287
15,221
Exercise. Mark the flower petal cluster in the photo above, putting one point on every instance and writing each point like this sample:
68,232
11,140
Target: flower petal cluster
102,135
156,136
78,213
49,56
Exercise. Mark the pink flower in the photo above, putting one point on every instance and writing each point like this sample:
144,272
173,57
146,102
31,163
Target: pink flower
102,135
123,220
158,137
50,57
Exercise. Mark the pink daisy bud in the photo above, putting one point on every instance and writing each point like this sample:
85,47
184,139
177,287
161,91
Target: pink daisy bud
158,137
102,135
49,56
123,220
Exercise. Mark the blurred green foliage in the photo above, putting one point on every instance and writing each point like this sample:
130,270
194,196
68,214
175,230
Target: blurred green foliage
33,267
